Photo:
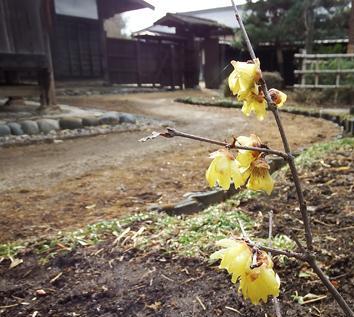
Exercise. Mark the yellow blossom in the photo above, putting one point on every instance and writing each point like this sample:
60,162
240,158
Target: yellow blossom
260,282
236,257
243,80
255,103
255,283
246,157
258,176
223,169
278,97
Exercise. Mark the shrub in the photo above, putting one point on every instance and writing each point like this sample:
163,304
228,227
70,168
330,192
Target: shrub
273,80
226,89
325,97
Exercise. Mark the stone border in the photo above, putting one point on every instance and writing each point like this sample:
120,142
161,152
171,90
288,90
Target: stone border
47,125
72,130
199,201
346,123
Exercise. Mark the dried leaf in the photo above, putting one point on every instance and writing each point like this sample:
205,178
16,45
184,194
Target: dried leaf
15,262
155,306
153,135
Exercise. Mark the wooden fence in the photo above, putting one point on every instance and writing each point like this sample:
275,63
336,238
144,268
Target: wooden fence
139,62
76,48
325,70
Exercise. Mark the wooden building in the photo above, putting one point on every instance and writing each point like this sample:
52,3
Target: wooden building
78,39
24,47
199,39
37,36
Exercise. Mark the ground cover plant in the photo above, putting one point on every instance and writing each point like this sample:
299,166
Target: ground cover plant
162,260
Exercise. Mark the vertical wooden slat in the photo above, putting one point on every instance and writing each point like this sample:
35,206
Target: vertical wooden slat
5,46
138,61
103,40
303,76
316,74
172,63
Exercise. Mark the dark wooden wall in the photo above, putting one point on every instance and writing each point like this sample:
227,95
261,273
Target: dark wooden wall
139,62
21,28
76,48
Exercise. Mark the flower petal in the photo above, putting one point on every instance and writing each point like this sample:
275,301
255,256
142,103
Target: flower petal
261,181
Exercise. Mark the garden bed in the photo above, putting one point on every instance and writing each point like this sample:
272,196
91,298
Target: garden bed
154,264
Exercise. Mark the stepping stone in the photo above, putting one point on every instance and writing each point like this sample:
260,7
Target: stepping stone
70,123
15,128
4,130
47,125
90,121
127,118
30,127
110,118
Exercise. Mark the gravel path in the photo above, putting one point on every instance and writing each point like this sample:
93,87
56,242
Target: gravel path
50,185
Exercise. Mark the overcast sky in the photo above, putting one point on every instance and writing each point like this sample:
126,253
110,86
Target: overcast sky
140,19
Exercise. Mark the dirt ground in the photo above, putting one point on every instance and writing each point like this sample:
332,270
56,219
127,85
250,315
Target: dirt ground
108,281
49,187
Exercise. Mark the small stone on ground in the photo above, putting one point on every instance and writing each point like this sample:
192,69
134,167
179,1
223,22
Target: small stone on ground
70,123
47,125
4,130
15,128
30,127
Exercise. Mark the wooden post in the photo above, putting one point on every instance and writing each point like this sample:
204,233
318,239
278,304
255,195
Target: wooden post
46,77
138,65
303,76
316,73
212,63
172,63
104,59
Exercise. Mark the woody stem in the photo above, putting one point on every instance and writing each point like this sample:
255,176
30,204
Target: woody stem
303,209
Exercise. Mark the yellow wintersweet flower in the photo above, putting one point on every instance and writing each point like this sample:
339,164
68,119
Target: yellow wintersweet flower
258,176
278,97
256,283
260,282
236,257
243,80
255,103
223,169
252,166
246,157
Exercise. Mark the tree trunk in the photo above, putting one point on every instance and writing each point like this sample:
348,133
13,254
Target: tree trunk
280,59
309,18
350,48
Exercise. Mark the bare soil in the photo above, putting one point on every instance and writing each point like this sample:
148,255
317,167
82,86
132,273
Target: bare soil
49,187
108,281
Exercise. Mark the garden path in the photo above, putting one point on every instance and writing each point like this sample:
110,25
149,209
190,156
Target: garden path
50,187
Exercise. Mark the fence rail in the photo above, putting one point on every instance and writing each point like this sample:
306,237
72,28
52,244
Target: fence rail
325,71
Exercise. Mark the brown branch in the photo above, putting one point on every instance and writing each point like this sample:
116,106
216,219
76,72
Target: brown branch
303,209
274,109
276,303
253,244
170,133
273,251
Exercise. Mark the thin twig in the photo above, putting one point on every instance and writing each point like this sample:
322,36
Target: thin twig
296,180
170,133
303,209
252,244
270,235
275,112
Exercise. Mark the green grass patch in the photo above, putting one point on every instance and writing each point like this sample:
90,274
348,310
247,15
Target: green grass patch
233,103
188,235
317,151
